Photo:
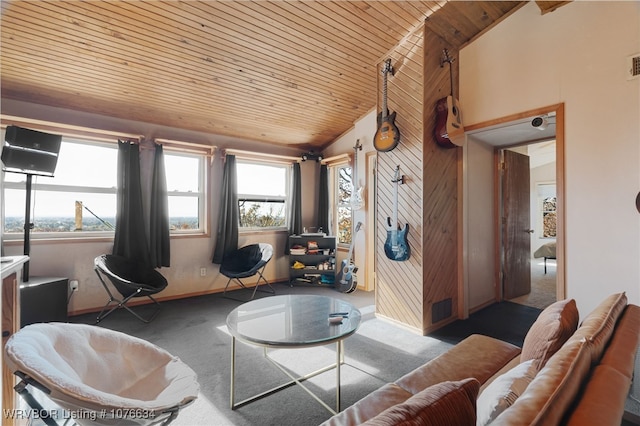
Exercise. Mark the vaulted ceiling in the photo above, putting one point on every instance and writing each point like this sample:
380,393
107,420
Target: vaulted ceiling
280,72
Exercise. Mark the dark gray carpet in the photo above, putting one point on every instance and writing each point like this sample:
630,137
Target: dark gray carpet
195,330
506,321
380,352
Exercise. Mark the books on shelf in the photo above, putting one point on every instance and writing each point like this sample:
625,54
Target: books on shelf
312,247
298,250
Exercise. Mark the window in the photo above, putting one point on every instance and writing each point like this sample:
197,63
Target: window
547,208
185,186
262,194
344,212
80,200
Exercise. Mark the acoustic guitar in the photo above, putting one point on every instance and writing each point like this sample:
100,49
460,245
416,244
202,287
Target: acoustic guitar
346,281
449,132
396,247
387,135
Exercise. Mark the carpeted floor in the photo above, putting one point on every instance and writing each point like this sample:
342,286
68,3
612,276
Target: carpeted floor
506,321
380,352
543,285
195,330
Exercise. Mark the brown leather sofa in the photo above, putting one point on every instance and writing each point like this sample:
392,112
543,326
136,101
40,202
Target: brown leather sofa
562,375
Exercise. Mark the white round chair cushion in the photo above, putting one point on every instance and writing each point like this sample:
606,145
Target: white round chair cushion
89,367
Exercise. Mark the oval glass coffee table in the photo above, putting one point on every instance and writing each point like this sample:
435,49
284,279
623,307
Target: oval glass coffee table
293,321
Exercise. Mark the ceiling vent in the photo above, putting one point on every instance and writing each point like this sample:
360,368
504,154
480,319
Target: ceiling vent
633,66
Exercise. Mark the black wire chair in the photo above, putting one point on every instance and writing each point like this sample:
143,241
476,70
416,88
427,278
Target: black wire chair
246,262
131,279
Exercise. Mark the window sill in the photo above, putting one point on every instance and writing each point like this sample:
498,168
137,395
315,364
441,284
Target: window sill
88,239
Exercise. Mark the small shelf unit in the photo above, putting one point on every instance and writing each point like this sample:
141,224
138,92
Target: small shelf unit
318,255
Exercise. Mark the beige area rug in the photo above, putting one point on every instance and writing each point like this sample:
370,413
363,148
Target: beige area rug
543,286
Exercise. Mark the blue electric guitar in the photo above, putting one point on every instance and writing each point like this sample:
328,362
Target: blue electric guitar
346,281
396,246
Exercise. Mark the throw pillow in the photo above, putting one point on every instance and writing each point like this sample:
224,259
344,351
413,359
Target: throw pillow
443,404
504,391
597,328
550,331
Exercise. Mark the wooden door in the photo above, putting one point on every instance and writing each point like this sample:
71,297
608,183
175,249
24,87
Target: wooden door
516,228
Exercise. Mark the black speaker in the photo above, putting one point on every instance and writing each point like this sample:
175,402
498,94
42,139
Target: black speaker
33,139
43,299
29,151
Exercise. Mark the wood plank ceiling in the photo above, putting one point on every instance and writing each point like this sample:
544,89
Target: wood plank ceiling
280,72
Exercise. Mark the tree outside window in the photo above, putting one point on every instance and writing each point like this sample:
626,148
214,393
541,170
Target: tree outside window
548,209
262,194
344,188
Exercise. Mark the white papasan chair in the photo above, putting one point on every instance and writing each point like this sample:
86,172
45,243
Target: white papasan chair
100,376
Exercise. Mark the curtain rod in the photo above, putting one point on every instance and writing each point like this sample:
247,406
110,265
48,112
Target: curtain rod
188,146
336,159
260,155
67,130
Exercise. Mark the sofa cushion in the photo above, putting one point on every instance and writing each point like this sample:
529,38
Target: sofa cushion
602,402
598,326
550,331
370,406
621,352
553,390
504,390
446,403
476,356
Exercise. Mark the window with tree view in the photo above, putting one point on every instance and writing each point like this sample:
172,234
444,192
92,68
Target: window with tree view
547,201
262,194
344,188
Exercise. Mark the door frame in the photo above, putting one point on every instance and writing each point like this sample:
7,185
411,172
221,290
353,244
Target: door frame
558,109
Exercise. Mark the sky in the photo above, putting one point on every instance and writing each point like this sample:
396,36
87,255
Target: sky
95,166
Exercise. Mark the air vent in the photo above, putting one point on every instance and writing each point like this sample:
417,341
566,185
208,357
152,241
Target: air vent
440,310
633,66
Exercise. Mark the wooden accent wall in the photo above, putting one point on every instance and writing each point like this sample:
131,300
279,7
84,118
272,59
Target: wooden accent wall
428,201
399,284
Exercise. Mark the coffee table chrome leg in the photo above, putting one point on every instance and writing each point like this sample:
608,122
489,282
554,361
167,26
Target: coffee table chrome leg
339,361
294,380
233,371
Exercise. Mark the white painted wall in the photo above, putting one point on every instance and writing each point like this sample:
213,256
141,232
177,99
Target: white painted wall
575,55
479,237
364,130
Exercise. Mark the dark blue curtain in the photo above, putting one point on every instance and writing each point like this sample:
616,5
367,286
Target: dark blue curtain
130,239
323,200
159,242
229,218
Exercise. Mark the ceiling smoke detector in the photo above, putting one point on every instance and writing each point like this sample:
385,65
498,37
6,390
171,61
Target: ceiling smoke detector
540,123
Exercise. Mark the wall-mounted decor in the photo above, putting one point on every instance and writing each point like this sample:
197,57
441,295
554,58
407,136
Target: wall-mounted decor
449,131
387,136
396,247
